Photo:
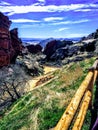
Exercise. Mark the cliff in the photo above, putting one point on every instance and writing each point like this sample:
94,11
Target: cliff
10,44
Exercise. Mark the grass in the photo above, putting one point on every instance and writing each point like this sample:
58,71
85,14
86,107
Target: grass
42,108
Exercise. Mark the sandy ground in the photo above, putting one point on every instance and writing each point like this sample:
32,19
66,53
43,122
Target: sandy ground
33,83
48,69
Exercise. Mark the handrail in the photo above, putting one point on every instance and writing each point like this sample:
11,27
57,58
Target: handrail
82,113
83,96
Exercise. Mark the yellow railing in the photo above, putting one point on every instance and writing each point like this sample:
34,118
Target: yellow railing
82,99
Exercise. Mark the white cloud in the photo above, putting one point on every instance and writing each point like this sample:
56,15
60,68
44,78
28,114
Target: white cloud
41,0
62,29
81,21
83,10
4,3
60,23
49,19
23,20
49,8
71,22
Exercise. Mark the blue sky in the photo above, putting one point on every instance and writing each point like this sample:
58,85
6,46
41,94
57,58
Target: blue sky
52,18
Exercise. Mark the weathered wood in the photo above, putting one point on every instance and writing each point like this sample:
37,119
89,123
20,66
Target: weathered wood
68,115
95,65
91,86
94,110
83,110
95,75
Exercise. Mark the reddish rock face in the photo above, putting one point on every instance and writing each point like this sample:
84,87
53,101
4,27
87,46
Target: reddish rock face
4,46
10,45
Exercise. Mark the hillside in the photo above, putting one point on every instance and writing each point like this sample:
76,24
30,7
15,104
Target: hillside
41,108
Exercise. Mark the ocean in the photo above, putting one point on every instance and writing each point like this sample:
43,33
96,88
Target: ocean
43,42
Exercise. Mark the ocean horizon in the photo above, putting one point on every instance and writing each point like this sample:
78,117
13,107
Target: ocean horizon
34,41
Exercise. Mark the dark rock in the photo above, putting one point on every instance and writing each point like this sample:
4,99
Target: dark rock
93,35
83,38
96,34
64,43
43,43
88,47
60,53
4,21
52,49
16,44
34,48
73,50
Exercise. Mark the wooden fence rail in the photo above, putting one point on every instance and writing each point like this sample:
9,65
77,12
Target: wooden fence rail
82,97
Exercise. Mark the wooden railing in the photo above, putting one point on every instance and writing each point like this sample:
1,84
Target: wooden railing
81,101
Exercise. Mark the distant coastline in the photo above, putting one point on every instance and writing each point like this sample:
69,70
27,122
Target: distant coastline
34,41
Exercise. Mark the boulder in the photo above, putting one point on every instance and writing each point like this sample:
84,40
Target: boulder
43,43
60,53
16,44
34,48
52,49
65,42
88,47
30,64
73,50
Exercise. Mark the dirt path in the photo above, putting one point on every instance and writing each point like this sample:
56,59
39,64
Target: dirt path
41,79
48,69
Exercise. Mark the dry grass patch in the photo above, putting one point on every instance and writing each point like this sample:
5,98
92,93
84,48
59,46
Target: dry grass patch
43,107
71,75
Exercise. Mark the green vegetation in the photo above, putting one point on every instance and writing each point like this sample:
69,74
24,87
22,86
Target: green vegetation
42,108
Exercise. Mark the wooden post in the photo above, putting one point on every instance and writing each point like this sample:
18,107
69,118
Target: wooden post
84,107
82,113
94,110
95,65
68,115
91,87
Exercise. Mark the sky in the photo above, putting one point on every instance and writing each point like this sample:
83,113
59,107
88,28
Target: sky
52,18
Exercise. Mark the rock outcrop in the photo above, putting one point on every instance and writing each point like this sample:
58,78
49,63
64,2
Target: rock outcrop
93,35
34,48
10,45
30,63
16,44
56,48
5,42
